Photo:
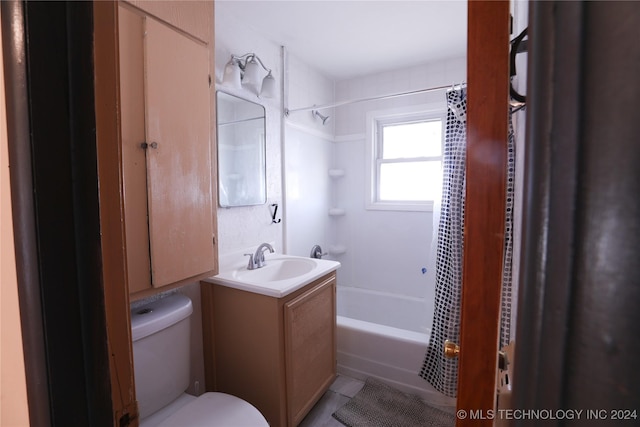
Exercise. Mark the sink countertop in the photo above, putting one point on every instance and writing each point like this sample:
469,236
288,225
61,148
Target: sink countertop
234,274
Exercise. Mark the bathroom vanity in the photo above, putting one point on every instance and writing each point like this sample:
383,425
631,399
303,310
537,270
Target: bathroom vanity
276,352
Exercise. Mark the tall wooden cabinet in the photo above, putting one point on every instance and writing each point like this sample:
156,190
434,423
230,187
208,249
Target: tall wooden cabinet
279,354
168,177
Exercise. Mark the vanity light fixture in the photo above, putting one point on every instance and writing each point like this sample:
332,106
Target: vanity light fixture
244,71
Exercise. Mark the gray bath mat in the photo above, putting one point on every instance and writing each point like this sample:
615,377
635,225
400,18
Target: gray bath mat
379,405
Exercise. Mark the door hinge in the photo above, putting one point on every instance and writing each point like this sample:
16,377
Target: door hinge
129,415
125,420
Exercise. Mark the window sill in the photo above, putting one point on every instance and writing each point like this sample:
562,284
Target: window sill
396,206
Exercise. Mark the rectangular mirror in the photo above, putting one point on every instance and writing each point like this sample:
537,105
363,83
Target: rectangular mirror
241,151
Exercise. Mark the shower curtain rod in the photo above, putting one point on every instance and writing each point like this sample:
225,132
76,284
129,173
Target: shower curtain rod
233,122
372,98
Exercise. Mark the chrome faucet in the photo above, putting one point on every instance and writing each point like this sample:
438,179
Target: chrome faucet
257,260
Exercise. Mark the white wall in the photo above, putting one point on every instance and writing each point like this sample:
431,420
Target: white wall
306,87
386,250
307,160
244,227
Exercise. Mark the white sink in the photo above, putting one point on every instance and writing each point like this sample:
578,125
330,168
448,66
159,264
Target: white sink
281,275
277,269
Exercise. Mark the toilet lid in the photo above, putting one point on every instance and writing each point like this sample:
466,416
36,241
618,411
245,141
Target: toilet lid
216,409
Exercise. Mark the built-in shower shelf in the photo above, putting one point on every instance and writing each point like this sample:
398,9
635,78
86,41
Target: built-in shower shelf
336,173
336,212
337,249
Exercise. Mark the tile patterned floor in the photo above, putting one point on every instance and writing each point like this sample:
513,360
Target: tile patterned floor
342,389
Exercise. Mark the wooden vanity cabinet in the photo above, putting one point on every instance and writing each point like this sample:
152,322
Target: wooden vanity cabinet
168,178
279,354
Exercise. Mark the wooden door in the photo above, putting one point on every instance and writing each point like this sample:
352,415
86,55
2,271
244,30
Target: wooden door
179,173
487,118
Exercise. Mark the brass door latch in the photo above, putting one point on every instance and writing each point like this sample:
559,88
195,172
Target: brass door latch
451,349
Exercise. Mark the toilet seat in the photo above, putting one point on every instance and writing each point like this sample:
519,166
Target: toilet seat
216,409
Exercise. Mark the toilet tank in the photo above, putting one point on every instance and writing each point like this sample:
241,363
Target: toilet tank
161,345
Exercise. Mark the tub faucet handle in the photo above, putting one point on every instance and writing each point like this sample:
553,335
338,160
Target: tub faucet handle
316,252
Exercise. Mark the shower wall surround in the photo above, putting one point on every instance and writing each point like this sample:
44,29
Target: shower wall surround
306,87
308,156
243,227
386,250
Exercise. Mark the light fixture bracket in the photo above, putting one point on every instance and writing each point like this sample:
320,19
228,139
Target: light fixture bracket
245,59
264,87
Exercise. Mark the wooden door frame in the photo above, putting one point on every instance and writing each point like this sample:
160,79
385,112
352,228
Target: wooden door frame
555,299
578,311
117,361
486,168
109,158
54,180
24,222
549,217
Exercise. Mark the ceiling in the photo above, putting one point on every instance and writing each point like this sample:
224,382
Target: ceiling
345,39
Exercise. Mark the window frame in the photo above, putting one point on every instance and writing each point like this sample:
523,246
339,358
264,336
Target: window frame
376,120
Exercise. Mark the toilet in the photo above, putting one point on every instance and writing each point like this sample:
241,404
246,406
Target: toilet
161,355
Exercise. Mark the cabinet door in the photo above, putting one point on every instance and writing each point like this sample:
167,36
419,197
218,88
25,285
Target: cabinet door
134,169
310,344
179,173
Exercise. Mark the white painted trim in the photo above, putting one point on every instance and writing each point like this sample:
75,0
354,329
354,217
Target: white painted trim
351,137
401,206
309,130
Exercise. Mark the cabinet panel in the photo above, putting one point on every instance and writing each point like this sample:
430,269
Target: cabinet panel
249,359
279,354
179,174
192,17
131,29
310,345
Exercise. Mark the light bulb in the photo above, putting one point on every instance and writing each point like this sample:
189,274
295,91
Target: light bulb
268,87
251,78
231,76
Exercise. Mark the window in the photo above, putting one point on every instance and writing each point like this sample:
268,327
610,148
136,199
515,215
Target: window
406,160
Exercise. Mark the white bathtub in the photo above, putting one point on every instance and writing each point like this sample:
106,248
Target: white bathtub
391,354
384,308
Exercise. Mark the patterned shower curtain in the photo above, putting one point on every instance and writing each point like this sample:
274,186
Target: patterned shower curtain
441,372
